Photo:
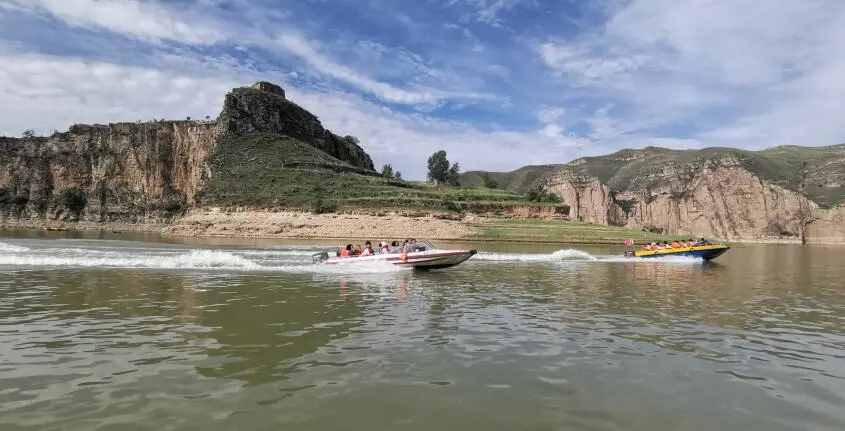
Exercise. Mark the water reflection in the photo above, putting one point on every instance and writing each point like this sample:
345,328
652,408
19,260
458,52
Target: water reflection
754,341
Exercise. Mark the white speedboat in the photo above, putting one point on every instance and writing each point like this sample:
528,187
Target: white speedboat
426,257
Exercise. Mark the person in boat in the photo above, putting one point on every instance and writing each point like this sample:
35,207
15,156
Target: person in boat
368,249
357,251
676,244
384,247
409,246
347,251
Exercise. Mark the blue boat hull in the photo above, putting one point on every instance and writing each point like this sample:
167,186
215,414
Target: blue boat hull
708,254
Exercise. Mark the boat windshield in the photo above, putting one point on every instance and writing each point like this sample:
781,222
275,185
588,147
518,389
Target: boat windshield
425,245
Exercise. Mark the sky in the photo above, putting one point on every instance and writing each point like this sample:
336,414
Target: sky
498,84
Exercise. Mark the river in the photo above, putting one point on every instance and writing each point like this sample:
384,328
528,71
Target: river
122,332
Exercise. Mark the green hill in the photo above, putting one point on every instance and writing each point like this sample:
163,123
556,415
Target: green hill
265,170
817,171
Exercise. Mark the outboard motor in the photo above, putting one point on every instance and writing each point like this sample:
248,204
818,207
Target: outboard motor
320,257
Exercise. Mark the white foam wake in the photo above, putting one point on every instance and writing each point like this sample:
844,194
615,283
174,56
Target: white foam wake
560,255
191,260
566,255
11,248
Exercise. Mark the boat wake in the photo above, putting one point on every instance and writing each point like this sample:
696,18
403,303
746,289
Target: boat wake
574,255
90,254
271,260
560,255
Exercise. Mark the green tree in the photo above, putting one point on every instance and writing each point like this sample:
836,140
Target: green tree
74,199
28,134
397,175
438,167
489,182
387,171
453,177
440,171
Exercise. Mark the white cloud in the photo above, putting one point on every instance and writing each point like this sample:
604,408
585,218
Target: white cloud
154,22
489,11
586,67
142,20
307,52
47,92
550,114
742,73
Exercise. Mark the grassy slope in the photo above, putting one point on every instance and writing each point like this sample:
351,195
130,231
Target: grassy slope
780,165
270,171
520,180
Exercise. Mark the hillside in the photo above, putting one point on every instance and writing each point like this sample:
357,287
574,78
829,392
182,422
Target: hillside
822,167
785,192
263,151
520,181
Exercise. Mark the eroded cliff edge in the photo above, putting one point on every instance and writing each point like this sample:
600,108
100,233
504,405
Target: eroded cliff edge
151,171
785,193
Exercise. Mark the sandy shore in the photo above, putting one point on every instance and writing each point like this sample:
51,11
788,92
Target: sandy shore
214,222
265,224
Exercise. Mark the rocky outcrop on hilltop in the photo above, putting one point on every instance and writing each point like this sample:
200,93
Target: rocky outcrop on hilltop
263,108
152,170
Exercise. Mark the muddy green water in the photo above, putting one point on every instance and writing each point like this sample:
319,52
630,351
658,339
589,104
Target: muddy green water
127,334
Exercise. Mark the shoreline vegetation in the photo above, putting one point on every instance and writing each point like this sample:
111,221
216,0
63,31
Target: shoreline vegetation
215,222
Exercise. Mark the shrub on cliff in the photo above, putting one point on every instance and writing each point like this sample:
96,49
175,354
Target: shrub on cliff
74,199
319,206
540,195
6,196
489,182
387,171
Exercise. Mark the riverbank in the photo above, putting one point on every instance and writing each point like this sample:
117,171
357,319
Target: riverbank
215,222
303,225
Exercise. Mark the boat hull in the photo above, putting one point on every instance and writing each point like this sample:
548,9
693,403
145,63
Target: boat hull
432,259
706,252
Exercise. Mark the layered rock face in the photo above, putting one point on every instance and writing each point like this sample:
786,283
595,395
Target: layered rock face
827,226
122,171
589,200
147,171
716,198
723,200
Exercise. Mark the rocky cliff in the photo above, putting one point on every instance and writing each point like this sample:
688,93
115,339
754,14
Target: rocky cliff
775,194
154,170
721,193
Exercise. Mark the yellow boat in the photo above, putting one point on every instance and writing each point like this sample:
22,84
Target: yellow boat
706,252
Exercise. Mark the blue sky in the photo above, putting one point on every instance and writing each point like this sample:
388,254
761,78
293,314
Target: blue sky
498,84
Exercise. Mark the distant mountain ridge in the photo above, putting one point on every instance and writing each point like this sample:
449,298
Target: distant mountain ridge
779,192
782,165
